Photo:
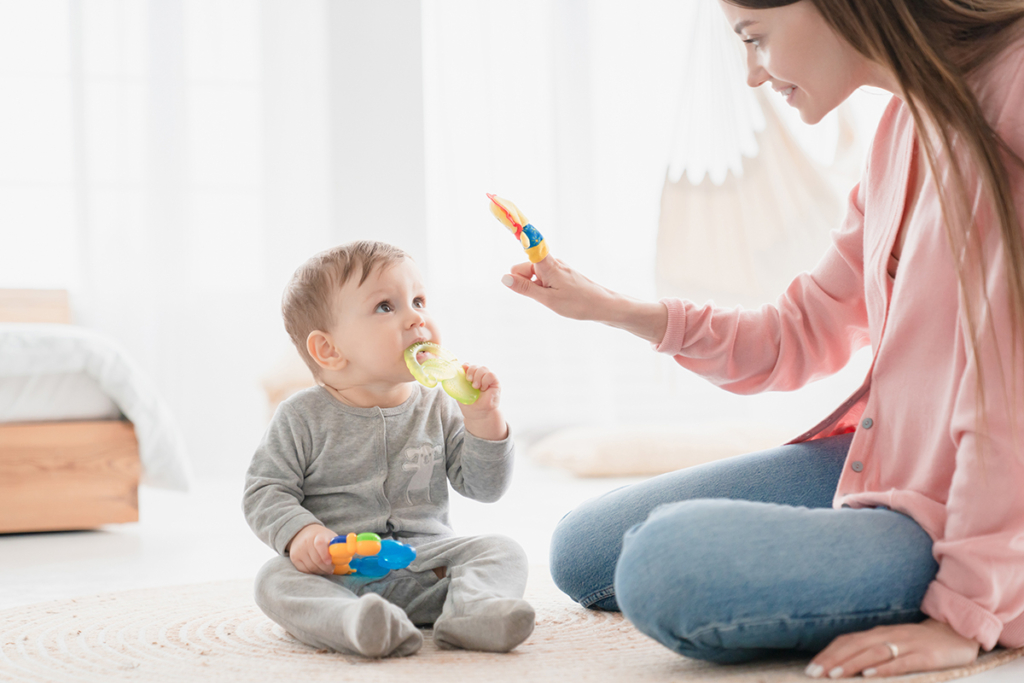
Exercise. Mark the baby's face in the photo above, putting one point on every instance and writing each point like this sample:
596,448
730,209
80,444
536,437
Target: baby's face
378,320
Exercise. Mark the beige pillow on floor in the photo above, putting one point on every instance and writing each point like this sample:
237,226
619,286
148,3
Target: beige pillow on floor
645,450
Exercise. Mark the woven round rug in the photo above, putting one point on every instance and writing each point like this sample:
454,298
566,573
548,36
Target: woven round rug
214,632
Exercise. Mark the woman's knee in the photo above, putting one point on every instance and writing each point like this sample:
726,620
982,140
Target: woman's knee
665,580
584,549
725,580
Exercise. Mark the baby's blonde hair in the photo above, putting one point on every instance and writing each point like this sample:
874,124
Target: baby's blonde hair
308,300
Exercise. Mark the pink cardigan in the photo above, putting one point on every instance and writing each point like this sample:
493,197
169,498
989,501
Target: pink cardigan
917,447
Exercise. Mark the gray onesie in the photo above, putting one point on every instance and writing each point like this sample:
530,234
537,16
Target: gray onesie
385,470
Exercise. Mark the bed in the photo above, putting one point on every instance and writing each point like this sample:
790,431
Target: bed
80,426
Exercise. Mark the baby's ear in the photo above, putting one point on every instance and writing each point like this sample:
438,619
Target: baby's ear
322,349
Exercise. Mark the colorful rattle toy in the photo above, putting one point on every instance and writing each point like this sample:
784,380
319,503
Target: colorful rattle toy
368,555
513,219
440,365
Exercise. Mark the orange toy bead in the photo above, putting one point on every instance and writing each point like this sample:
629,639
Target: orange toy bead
342,553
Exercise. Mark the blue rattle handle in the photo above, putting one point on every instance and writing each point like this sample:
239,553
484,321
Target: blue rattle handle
392,555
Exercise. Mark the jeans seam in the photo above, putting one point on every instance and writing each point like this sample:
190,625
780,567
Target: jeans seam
597,596
734,626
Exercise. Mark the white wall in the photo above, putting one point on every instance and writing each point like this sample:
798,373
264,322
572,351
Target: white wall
377,147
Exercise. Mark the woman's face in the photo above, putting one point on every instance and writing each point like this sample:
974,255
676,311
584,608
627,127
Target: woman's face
793,48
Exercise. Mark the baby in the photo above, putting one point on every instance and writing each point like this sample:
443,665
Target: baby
370,450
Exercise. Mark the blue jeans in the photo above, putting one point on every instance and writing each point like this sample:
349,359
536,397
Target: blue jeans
743,558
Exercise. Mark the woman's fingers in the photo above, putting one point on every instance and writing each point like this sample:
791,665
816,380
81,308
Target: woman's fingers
557,286
524,270
834,660
894,650
543,274
520,283
853,662
904,664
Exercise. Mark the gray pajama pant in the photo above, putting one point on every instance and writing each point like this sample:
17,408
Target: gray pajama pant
478,605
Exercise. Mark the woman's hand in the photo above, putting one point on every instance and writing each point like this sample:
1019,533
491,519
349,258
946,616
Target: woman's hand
927,646
309,550
560,288
571,295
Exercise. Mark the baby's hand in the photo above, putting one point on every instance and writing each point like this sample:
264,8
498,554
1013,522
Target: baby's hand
482,417
487,382
309,551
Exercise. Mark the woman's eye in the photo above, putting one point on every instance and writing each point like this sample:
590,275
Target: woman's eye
752,41
383,307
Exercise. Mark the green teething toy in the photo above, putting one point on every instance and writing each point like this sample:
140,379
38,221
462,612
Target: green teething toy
442,366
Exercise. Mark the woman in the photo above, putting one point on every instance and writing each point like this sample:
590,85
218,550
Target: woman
890,538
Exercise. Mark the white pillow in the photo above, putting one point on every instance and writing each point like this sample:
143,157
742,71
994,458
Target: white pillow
31,349
54,397
651,449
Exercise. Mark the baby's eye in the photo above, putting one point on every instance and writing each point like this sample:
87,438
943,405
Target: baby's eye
383,307
419,302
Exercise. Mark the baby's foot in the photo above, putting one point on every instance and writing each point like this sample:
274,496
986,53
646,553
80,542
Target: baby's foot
373,627
493,626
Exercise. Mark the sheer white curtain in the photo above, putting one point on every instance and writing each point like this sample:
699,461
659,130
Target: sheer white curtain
571,109
751,192
172,161
166,162
562,107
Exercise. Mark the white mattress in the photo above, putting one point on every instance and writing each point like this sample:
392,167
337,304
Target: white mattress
50,397
62,372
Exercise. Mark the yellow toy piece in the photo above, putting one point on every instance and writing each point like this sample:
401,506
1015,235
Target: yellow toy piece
507,212
513,219
342,553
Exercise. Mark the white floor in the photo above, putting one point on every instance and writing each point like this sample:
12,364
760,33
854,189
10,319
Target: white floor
201,536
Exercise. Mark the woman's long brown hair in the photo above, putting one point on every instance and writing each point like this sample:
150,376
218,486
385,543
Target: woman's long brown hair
932,47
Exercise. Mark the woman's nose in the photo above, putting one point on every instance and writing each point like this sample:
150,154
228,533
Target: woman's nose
756,75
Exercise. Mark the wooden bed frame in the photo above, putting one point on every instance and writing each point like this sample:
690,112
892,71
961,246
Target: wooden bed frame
62,476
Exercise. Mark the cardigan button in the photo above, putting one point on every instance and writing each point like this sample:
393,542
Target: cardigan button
857,466
867,423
